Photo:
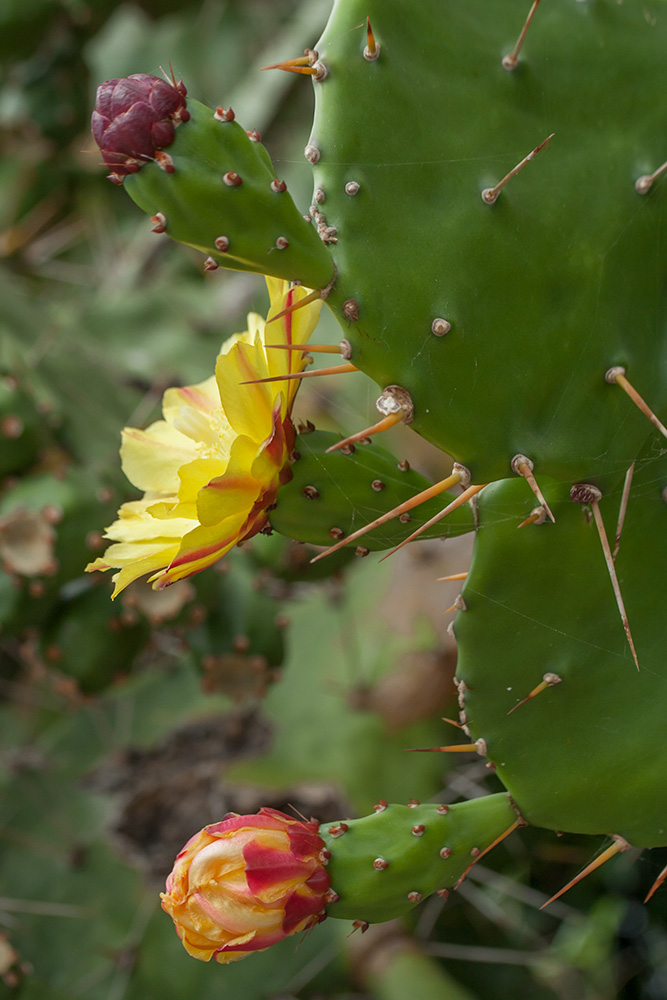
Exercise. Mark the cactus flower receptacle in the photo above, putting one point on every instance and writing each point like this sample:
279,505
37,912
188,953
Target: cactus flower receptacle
134,119
212,467
246,883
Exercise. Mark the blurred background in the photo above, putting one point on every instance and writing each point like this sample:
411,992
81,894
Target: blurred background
126,727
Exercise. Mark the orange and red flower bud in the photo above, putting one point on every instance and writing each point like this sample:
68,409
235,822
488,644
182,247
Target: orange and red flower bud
246,883
134,119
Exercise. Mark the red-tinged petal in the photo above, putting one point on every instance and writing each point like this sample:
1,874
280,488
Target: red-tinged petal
269,869
304,841
199,549
258,943
235,490
301,912
319,881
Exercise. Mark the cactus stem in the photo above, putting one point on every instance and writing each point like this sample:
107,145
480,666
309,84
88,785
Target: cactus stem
658,882
523,466
478,857
490,195
333,370
643,184
538,515
479,746
382,425
617,375
625,496
372,49
617,847
452,576
584,493
549,680
467,494
432,491
511,61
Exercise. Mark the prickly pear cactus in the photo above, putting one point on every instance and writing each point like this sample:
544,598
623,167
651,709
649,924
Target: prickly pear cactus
492,245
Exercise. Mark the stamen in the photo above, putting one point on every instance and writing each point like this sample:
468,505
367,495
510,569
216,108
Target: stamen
489,195
617,375
617,847
524,467
432,491
510,61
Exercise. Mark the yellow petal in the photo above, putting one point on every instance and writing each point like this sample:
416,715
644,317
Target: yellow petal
196,475
151,458
203,396
234,492
247,407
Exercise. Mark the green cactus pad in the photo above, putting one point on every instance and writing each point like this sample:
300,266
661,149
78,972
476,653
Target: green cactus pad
585,755
425,848
331,495
543,291
258,227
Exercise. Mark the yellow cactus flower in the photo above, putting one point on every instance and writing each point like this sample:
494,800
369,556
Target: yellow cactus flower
211,468
246,883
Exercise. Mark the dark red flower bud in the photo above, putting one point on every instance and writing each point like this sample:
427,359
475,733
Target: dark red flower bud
134,118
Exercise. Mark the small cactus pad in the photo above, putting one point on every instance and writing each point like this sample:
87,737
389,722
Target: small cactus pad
516,309
221,196
586,754
382,865
332,495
